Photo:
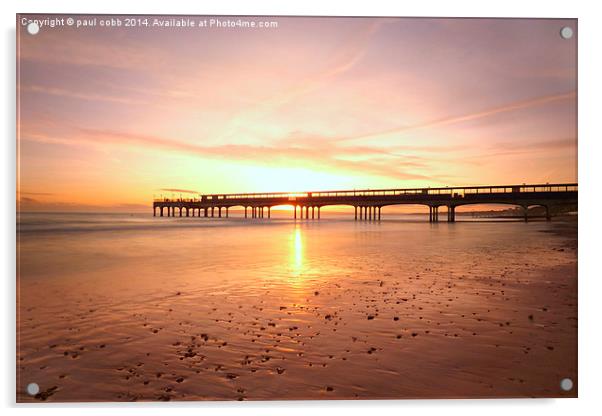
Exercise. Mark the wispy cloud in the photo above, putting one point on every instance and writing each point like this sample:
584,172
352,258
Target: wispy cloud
517,105
60,92
35,193
348,55
324,158
176,190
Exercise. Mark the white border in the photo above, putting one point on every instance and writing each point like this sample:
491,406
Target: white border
590,135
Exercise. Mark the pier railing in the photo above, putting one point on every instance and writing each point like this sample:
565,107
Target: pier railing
448,190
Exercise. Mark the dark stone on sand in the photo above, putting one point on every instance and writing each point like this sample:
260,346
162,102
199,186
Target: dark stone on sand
370,317
43,395
329,388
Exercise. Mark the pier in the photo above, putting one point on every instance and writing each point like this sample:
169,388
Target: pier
368,203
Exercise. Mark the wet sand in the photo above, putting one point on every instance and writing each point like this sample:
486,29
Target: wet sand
312,310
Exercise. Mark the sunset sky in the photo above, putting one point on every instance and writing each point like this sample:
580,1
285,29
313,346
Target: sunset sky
109,118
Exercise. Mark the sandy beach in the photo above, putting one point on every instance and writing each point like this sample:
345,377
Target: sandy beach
306,310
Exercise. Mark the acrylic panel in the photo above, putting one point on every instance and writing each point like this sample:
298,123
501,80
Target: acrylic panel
285,208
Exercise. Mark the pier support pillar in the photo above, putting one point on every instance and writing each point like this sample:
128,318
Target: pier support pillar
312,212
245,212
355,213
526,213
295,211
318,212
226,212
219,212
206,212
451,214
269,212
379,208
188,212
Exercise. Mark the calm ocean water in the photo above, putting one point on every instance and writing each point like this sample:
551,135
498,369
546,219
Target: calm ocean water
82,221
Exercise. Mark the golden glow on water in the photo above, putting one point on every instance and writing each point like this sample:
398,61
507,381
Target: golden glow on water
297,252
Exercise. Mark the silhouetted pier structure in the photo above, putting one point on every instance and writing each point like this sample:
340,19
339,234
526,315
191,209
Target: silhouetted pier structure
368,203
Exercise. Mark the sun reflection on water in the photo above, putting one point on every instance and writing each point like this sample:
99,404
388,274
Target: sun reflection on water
297,252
